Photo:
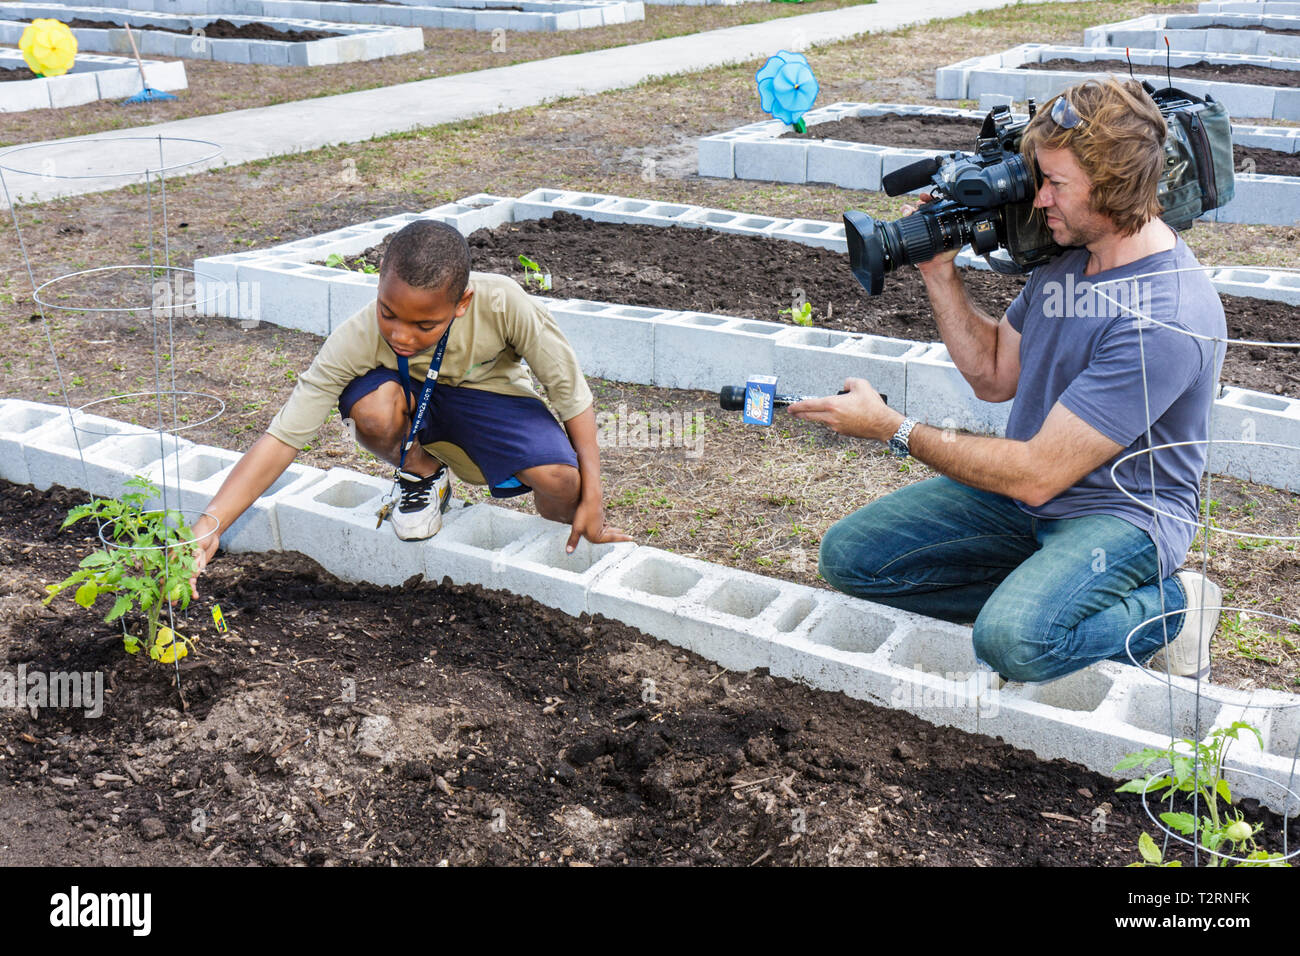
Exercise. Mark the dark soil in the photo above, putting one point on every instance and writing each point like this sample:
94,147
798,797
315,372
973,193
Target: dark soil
1227,72
484,728
953,133
216,30
705,271
16,73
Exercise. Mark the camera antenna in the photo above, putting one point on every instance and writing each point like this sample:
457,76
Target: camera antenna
1169,77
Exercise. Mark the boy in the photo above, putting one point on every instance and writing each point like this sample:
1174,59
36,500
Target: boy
483,417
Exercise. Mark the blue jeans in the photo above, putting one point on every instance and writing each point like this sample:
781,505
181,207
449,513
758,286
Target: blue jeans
1047,596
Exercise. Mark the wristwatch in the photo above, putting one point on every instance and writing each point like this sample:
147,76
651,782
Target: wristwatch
898,444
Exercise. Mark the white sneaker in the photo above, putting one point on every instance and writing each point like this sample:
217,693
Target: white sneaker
418,514
1189,649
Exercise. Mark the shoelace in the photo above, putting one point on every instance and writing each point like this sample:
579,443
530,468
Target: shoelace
415,494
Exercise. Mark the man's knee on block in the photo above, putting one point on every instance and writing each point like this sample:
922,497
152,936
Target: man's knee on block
843,563
1012,646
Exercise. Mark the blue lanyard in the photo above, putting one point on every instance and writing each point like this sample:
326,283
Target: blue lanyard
426,393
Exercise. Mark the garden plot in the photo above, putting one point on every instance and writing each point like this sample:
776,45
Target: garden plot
739,620
847,155
651,327
1272,90
1256,34
521,15
91,78
224,39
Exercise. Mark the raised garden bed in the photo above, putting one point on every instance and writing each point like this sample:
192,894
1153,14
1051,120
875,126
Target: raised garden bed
91,78
1257,33
1247,85
855,144
693,270
261,39
531,15
474,707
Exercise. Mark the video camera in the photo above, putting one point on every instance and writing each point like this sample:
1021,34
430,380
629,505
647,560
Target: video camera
985,199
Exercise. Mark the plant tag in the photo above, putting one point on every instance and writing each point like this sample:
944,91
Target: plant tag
760,395
218,620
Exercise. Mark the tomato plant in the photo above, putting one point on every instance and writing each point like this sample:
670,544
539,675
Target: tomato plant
148,562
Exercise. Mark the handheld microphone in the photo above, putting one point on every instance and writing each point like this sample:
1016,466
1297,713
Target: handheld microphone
758,399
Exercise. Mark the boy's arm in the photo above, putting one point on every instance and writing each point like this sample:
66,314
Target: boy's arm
248,480
589,516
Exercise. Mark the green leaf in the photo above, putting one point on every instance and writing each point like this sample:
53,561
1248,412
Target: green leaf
334,261
132,644
120,607
1182,770
96,560
86,594
529,264
1223,790
1184,823
1147,847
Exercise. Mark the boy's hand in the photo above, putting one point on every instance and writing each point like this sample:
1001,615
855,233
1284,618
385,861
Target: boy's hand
589,523
207,547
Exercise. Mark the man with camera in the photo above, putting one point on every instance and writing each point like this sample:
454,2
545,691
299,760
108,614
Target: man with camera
1027,536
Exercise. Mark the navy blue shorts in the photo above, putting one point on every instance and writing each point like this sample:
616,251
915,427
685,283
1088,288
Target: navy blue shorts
500,434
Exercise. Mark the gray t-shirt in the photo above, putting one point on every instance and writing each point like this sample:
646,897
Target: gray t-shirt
1082,346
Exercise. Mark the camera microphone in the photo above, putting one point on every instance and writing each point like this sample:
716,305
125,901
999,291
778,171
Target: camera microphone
912,176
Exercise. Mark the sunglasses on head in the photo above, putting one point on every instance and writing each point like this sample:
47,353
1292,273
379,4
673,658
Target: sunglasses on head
1063,115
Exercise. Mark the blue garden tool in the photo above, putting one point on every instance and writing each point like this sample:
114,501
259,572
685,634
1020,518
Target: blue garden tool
148,94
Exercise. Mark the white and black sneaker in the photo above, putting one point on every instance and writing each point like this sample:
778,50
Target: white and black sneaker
1188,652
422,501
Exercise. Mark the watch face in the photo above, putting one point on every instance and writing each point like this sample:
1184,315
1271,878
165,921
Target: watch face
898,447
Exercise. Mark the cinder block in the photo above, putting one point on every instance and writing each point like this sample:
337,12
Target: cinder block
167,76
939,396
197,475
476,547
1256,437
268,53
813,232
695,350
817,361
950,83
18,420
333,522
54,451
349,293
611,342
1261,200
293,294
72,89
716,156
849,165
776,160
1286,105
542,569
19,95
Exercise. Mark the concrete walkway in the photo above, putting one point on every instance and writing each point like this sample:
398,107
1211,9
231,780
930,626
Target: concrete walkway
251,134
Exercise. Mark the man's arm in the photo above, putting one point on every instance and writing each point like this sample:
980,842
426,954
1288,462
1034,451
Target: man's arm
256,471
1035,471
985,350
589,516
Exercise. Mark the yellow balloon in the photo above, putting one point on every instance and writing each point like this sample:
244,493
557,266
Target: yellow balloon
49,47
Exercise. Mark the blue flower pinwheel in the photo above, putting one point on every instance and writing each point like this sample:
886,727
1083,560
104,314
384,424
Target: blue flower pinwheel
787,88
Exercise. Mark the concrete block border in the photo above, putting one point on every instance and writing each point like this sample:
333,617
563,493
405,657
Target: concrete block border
357,42
694,350
740,620
1228,33
1284,8
998,73
483,15
91,78
757,152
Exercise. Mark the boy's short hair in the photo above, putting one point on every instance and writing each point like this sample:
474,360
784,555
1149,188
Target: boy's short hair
1119,143
427,254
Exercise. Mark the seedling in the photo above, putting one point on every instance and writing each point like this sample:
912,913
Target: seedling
533,274
800,316
150,560
1197,768
336,261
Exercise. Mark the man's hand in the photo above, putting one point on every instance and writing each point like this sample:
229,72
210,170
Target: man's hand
589,523
940,263
207,541
859,413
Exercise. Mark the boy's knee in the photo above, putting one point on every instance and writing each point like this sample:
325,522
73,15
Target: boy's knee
381,415
560,482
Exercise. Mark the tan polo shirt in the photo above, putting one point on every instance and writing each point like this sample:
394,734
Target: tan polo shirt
502,325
